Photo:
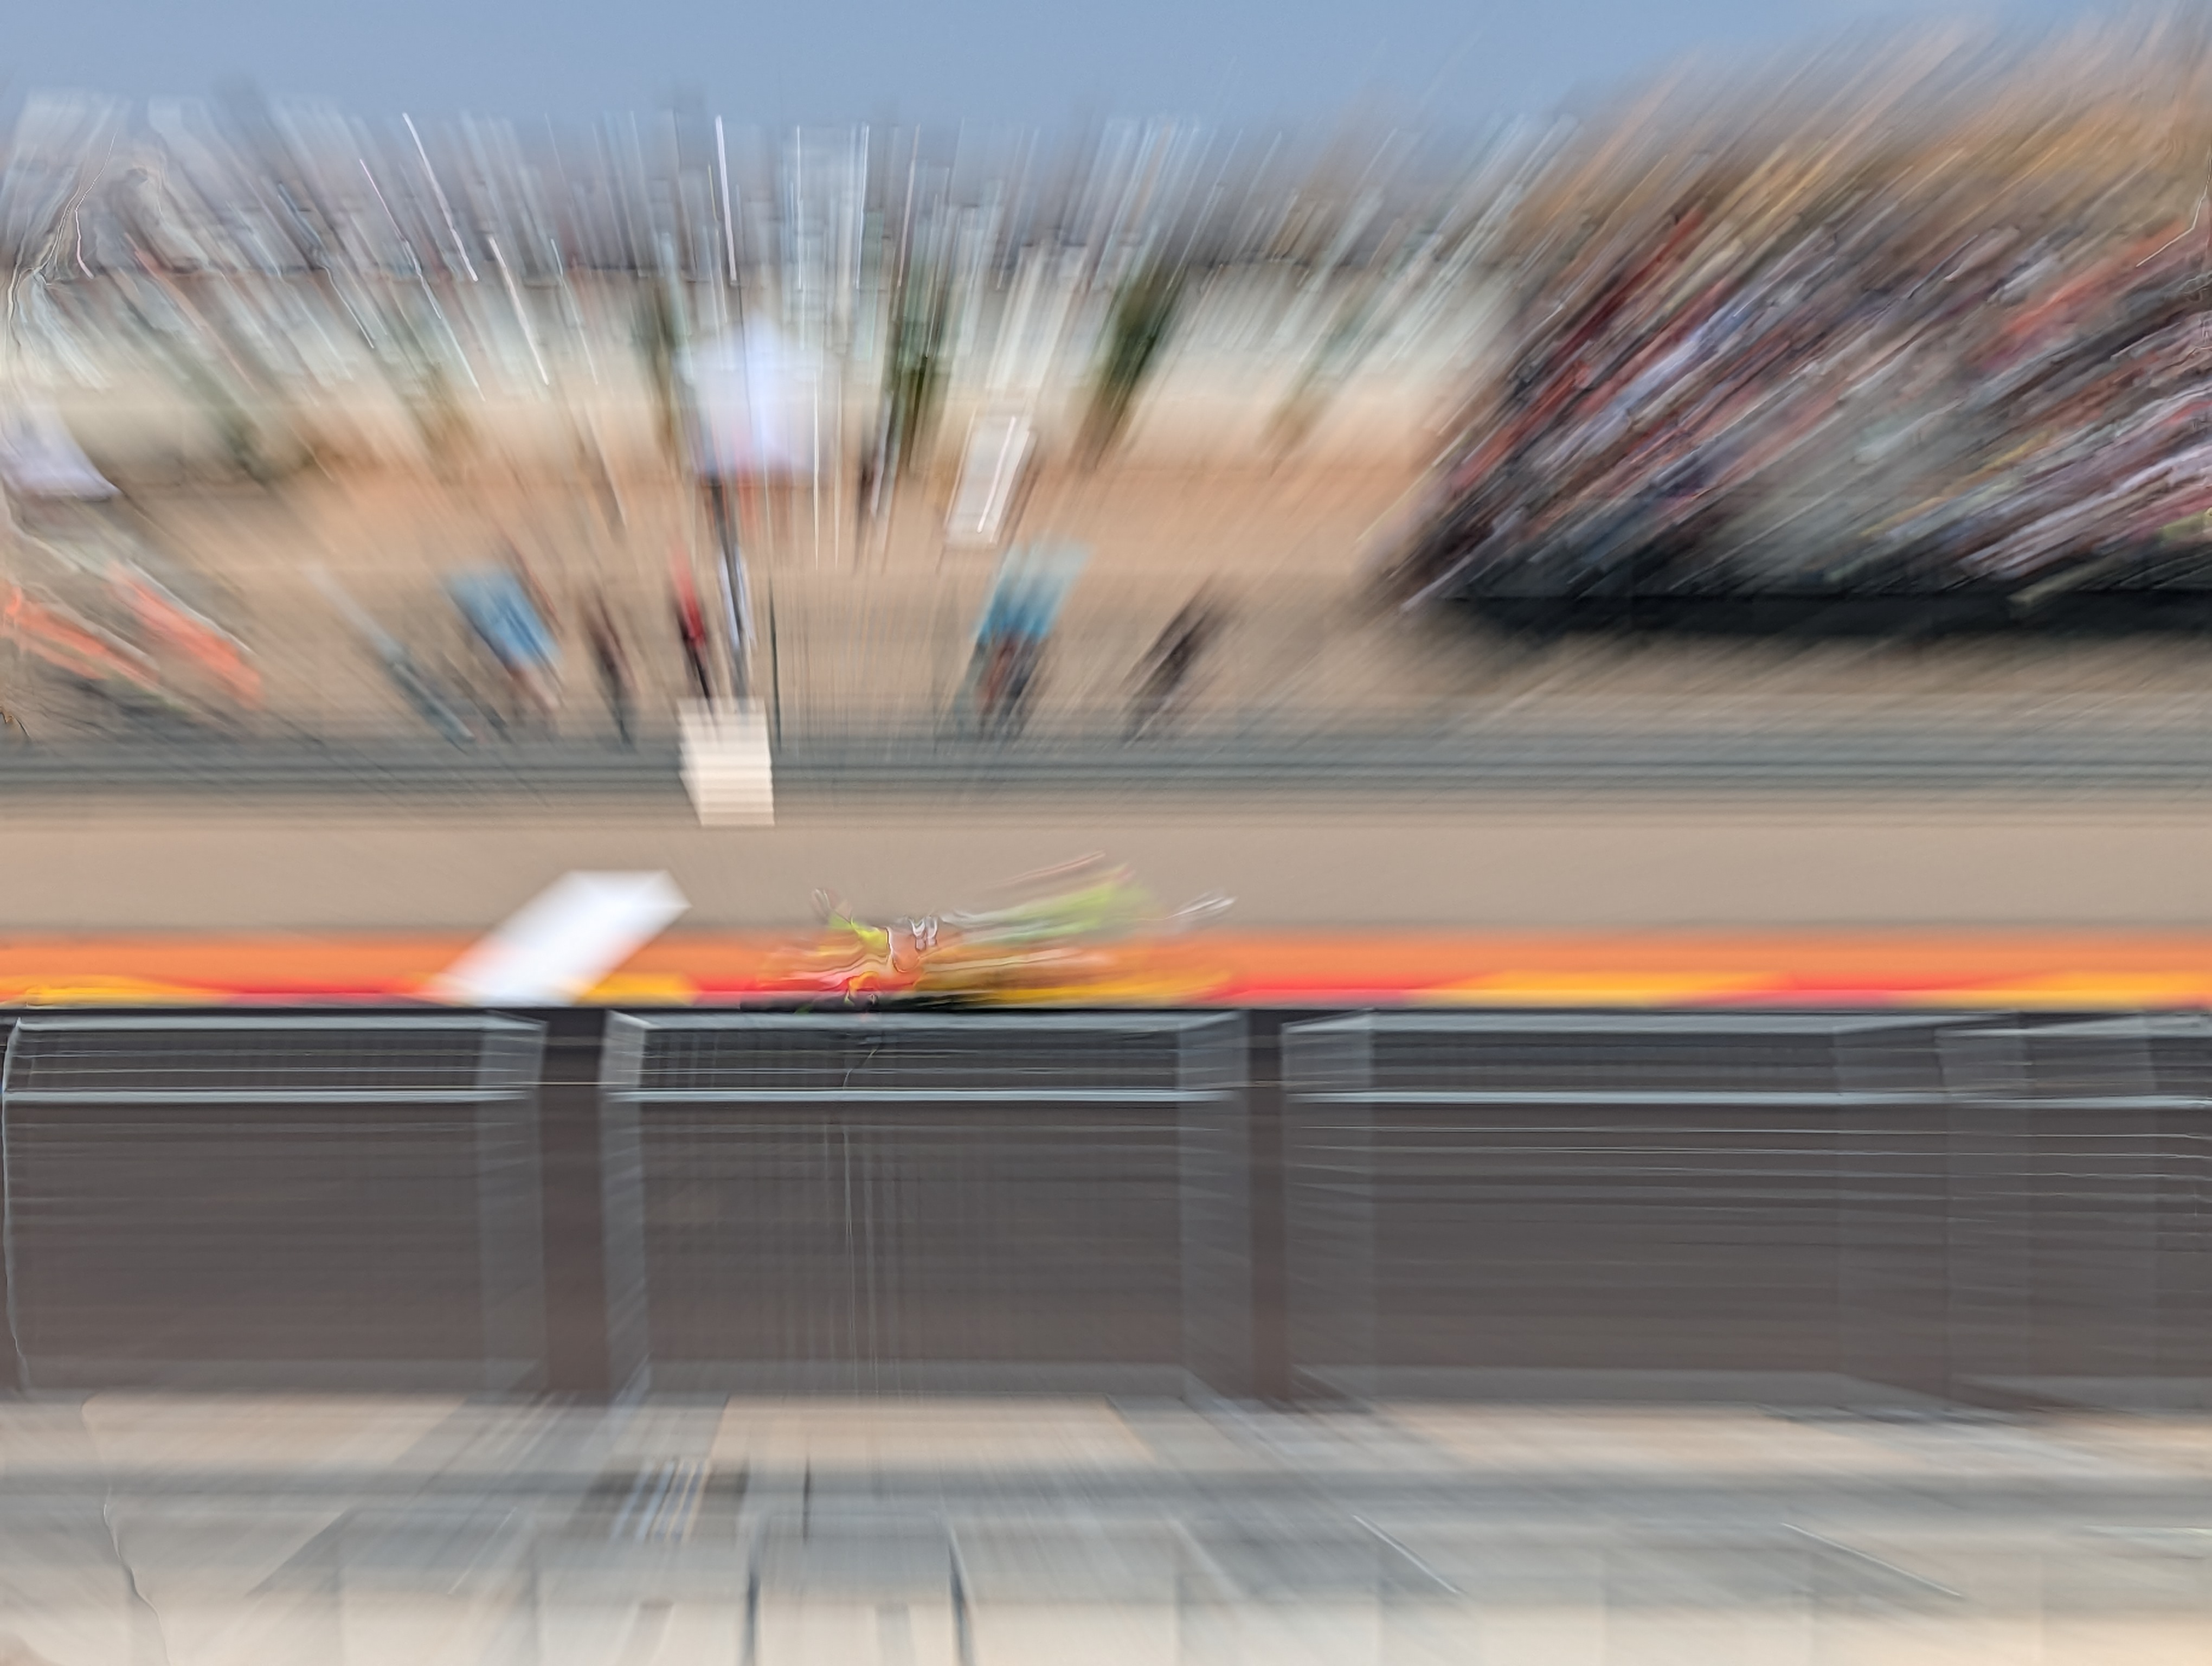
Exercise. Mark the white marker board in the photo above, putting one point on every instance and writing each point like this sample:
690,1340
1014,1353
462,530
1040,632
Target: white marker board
565,942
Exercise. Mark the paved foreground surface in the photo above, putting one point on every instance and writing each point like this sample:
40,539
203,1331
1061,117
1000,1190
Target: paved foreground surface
203,1533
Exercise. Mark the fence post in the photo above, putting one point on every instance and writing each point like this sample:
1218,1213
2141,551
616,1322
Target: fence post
1271,1330
573,1215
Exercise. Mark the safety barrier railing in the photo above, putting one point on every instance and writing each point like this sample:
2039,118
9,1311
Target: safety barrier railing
1909,1208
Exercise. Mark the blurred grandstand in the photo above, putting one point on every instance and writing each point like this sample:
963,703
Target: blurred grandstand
1915,343
1907,345
323,358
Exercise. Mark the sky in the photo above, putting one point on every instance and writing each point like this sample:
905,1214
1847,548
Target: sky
1038,62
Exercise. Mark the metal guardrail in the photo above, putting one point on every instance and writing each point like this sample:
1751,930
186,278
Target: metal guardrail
1500,761
906,1200
1801,1208
925,762
197,1059
303,1201
403,768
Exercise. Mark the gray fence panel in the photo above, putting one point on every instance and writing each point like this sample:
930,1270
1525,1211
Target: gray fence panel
273,1202
1625,1205
1865,1208
2078,1242
1329,1183
914,1201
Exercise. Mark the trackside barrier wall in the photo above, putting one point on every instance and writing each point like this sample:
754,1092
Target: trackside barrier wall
1895,1208
1791,1207
336,1202
912,1201
2079,1236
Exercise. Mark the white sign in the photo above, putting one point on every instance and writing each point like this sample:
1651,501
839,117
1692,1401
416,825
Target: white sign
755,404
729,767
39,459
990,474
565,942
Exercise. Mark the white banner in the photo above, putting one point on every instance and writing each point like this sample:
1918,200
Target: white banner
38,457
756,404
565,942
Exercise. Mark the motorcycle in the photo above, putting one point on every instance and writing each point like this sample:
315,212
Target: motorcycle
1084,936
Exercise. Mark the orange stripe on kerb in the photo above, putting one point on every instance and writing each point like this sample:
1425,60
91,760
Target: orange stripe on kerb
1226,969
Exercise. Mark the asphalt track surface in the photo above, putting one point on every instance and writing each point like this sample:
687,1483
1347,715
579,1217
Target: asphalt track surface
1611,862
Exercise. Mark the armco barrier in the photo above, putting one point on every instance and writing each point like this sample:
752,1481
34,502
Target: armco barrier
1535,1206
1811,1208
905,1201
286,1201
2079,1263
1787,1207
